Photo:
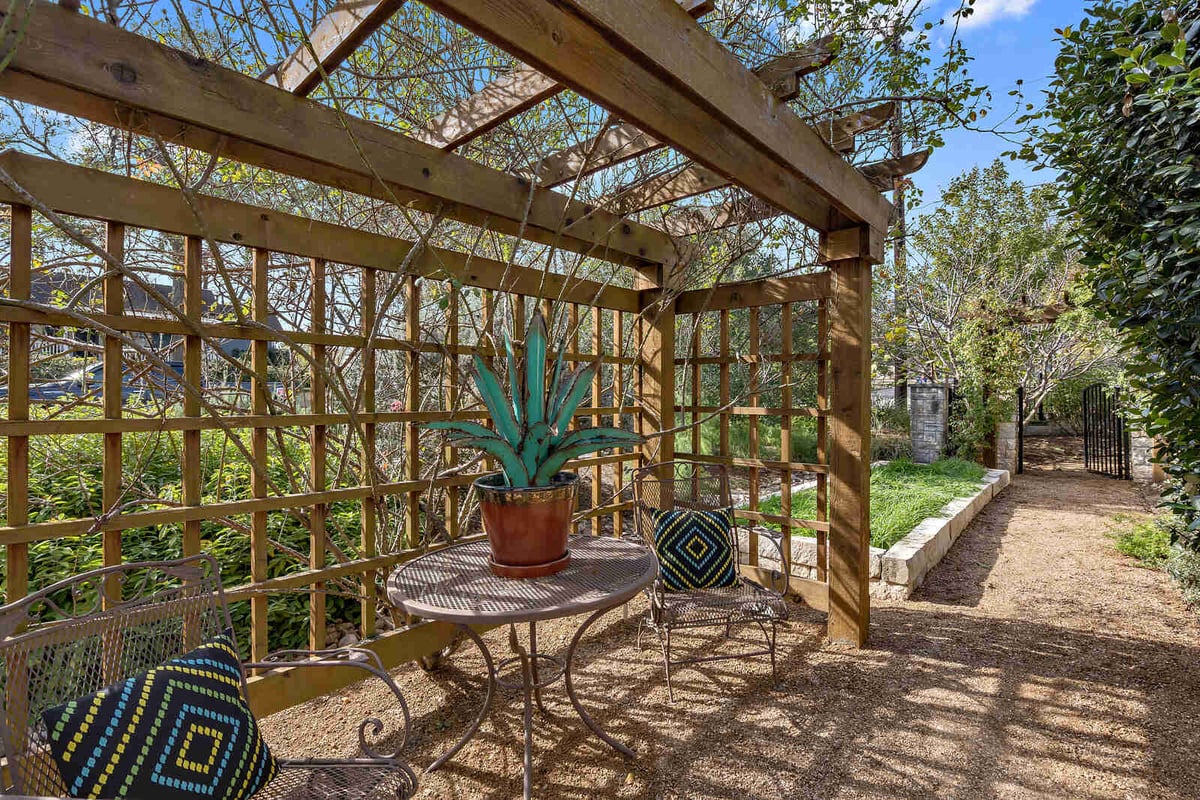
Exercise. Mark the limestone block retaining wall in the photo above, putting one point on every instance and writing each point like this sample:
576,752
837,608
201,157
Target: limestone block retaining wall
899,570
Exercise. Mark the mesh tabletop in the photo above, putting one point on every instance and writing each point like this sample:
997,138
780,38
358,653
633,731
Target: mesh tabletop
457,585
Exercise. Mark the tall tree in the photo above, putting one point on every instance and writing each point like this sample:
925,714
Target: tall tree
995,259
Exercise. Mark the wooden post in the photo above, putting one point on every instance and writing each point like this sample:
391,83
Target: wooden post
822,435
114,303
412,402
367,539
785,434
753,401
193,307
850,443
597,401
723,387
451,403
657,369
618,326
19,288
259,405
317,460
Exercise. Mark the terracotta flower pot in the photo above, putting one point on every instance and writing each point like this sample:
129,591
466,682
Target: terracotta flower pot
528,527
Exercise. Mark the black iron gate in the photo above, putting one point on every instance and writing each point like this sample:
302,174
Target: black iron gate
1020,429
1105,435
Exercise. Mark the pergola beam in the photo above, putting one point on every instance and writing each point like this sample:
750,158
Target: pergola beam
333,39
505,98
622,142
83,192
77,65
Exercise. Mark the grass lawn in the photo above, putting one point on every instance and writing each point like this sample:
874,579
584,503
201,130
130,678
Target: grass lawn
902,494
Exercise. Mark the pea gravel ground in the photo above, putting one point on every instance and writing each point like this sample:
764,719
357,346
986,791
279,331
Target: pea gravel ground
1036,662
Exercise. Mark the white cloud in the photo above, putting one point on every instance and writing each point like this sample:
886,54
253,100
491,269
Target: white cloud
989,11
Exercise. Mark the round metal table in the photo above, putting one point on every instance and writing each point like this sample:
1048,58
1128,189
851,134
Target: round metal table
456,585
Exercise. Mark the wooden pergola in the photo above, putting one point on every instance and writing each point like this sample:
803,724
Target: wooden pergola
647,62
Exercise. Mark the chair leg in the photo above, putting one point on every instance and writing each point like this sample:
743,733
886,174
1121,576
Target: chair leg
771,646
665,640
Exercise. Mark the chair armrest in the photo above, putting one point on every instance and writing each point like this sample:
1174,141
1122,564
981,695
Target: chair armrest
356,658
776,538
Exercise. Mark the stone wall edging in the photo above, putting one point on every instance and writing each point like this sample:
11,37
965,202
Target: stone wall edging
898,571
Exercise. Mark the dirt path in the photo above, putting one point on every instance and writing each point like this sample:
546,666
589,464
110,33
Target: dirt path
1035,663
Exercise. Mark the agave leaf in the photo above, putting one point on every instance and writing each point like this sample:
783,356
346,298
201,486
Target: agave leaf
488,385
535,446
556,379
571,395
516,394
581,442
510,462
535,370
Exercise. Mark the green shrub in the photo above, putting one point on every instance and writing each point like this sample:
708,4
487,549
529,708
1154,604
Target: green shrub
65,482
1147,540
902,495
1184,567
804,437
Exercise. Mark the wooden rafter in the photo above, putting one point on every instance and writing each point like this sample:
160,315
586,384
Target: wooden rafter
840,132
333,39
782,74
883,174
740,210
500,100
77,65
622,142
615,145
505,98
694,179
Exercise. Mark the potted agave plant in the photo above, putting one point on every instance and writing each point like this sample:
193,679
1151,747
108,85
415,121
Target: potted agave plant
528,505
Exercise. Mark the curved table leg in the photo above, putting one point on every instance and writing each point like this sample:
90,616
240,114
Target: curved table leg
583,715
528,681
487,700
533,656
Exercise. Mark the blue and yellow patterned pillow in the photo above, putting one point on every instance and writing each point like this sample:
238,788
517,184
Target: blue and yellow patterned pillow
177,732
694,548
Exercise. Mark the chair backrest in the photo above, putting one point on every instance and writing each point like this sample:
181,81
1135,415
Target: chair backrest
65,641
678,484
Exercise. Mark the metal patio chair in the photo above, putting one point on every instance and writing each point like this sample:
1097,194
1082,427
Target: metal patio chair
705,487
59,643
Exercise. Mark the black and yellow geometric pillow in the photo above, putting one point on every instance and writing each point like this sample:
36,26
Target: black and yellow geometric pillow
178,732
694,549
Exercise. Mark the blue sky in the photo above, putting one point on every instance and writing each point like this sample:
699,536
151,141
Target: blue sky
1010,40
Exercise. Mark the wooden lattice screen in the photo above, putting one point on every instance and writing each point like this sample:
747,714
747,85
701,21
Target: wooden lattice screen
323,427
295,362
754,390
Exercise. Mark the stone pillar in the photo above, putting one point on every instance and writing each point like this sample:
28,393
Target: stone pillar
1006,446
929,417
1141,451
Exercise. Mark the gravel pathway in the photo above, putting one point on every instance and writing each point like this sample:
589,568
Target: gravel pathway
1036,662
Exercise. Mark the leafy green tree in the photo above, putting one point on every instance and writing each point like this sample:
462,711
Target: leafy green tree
992,295
1122,127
